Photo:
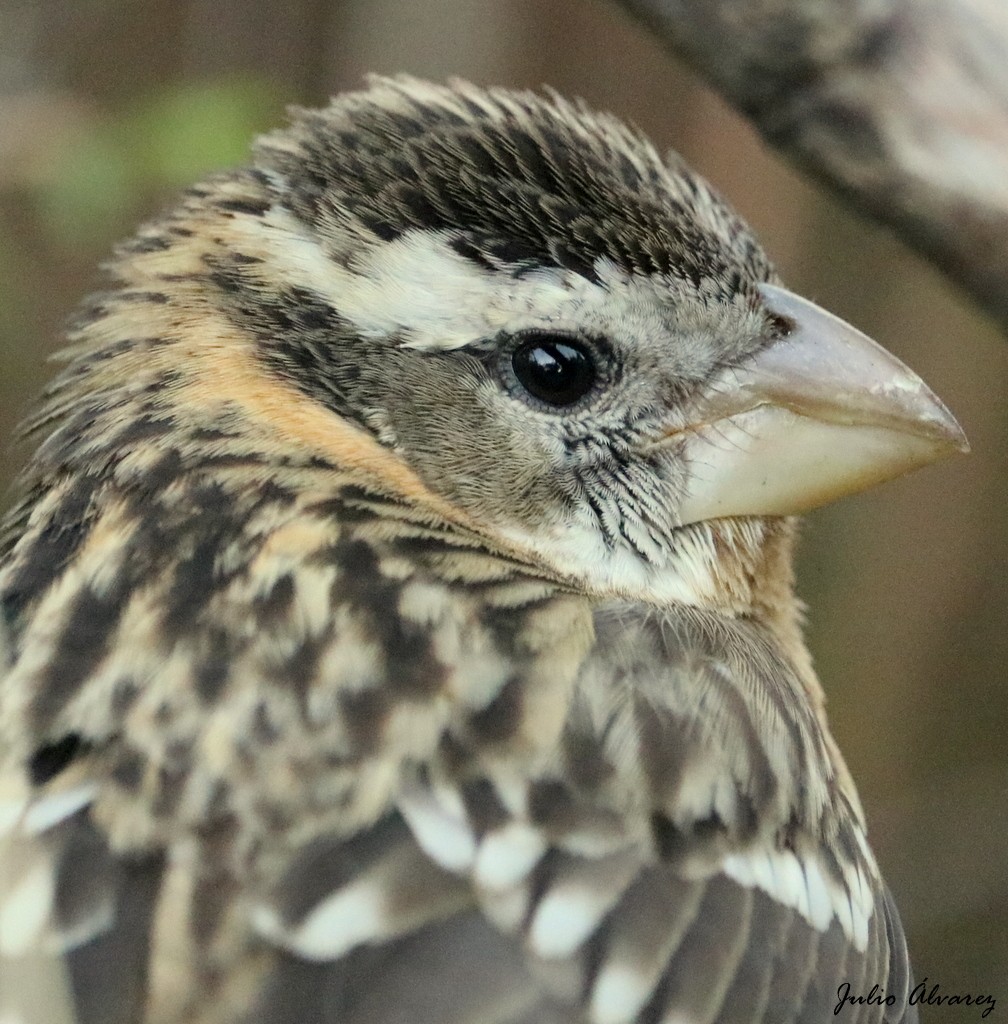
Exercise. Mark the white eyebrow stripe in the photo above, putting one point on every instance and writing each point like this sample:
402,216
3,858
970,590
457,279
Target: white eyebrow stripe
418,285
418,289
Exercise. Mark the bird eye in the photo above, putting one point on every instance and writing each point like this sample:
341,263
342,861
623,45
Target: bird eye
554,369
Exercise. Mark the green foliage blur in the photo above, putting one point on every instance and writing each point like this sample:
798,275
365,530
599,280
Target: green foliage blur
151,146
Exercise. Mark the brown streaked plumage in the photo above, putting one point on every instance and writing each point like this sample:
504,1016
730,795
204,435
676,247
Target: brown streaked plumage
381,647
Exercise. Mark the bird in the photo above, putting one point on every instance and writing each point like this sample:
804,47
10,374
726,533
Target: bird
398,613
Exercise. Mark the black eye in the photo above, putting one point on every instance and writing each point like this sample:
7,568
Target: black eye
554,369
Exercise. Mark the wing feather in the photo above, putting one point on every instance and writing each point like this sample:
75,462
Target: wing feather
650,869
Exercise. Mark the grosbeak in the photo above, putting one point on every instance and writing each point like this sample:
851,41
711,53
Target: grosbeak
399,613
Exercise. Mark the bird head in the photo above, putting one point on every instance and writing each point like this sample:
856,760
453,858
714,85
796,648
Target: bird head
513,313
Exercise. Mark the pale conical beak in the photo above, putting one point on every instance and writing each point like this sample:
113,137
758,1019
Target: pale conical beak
822,412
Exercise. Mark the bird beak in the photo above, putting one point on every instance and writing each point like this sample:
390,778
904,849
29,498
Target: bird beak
819,413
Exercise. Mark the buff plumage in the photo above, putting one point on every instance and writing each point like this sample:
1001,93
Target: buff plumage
346,681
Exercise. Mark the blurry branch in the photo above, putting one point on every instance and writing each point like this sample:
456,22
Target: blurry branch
901,105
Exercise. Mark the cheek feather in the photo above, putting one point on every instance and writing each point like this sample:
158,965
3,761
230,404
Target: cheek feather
220,362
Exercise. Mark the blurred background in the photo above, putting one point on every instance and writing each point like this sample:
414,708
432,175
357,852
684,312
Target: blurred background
107,107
